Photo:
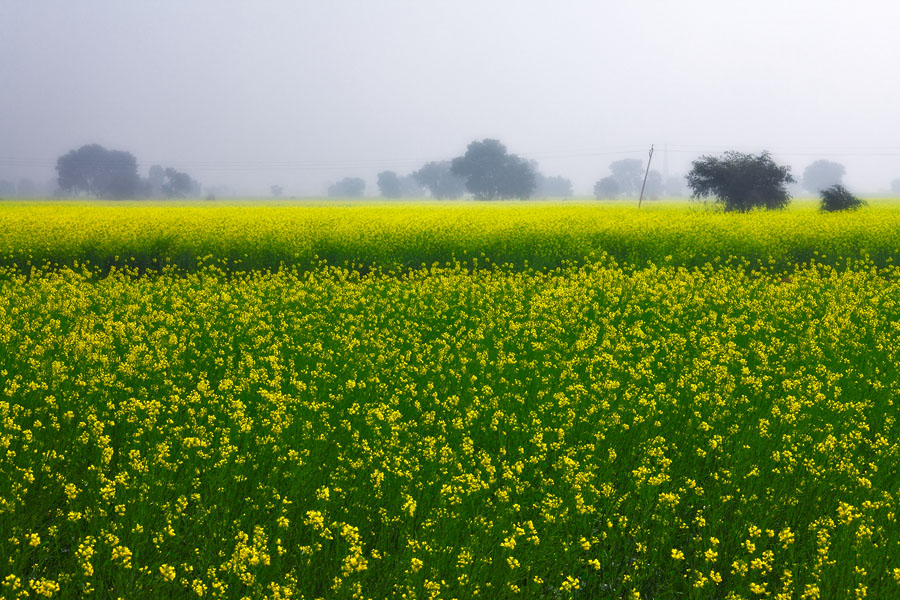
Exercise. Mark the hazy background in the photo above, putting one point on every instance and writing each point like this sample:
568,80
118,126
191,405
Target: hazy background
302,93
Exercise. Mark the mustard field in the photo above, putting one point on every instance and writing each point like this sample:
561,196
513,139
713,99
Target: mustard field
252,236
573,402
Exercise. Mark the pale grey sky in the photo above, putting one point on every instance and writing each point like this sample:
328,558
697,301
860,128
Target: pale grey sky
301,93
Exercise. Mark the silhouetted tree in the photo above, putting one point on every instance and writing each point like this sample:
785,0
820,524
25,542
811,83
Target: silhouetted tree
607,188
629,174
348,187
838,198
276,191
440,180
895,186
741,182
99,172
822,174
179,185
392,185
490,172
389,184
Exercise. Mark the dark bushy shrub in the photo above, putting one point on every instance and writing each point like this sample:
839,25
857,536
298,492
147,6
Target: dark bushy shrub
838,198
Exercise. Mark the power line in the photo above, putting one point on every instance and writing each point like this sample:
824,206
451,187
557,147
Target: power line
310,165
407,162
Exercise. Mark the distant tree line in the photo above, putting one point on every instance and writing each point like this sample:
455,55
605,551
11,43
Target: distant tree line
487,171
736,181
92,170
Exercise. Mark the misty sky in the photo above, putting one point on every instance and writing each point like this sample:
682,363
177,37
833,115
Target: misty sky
302,93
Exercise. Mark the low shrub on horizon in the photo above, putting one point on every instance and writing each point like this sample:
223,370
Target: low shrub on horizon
837,198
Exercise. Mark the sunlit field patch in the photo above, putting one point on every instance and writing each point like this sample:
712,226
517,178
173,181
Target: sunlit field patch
599,430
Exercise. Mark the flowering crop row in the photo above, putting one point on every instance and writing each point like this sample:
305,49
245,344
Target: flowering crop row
247,236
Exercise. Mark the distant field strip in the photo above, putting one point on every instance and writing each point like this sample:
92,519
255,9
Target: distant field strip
247,237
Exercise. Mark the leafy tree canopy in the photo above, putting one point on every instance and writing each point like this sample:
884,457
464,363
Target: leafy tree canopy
629,174
607,187
440,180
626,178
741,182
389,184
96,171
392,185
490,172
179,185
348,187
822,174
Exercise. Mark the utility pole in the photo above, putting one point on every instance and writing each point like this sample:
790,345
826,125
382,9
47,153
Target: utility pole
647,172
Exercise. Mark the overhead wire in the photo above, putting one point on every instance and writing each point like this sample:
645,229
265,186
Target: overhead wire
409,163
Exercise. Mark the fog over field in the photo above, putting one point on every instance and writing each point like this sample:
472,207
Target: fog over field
246,95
